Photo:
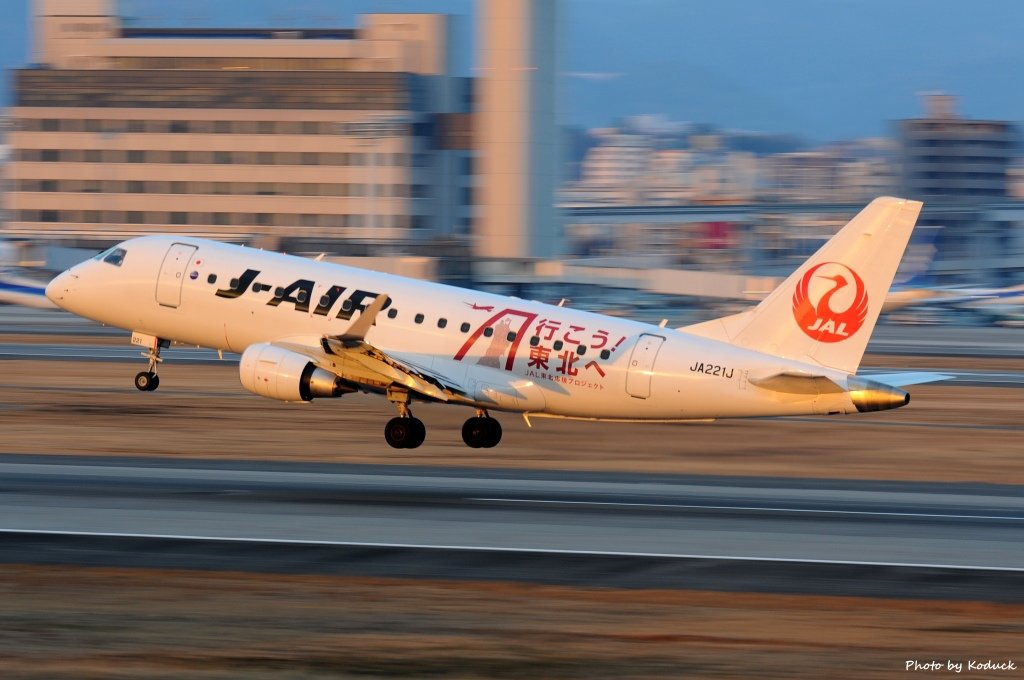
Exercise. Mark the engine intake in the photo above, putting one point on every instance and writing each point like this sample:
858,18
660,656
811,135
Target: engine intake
278,373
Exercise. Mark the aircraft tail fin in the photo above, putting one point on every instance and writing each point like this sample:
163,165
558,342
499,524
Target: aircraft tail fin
825,311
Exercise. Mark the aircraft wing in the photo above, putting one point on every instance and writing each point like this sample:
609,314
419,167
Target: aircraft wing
351,357
363,363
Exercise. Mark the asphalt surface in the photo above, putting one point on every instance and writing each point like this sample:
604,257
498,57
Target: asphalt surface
605,529
192,355
893,339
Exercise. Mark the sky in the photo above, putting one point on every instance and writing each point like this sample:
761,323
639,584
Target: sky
827,70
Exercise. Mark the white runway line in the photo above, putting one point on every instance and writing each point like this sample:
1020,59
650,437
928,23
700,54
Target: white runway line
544,551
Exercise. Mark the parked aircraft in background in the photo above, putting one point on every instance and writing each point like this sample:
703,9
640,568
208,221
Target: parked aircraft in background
308,329
16,289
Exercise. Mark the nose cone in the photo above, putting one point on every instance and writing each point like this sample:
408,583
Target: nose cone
57,290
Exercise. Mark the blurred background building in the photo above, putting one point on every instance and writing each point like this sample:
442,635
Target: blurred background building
366,141
351,139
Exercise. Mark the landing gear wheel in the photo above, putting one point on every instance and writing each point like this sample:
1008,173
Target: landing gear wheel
146,381
481,432
419,433
405,433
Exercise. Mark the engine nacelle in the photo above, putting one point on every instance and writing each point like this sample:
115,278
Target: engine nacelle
278,373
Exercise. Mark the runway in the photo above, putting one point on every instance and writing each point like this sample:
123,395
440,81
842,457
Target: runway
566,525
191,355
892,339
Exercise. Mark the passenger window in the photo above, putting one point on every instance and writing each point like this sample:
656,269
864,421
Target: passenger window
441,323
605,353
392,313
488,332
301,296
418,318
115,257
212,278
581,350
558,345
464,327
511,336
325,301
534,341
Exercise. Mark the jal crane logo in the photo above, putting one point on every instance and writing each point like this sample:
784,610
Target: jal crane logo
842,302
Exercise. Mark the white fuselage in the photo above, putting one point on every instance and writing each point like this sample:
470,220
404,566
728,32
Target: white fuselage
562,362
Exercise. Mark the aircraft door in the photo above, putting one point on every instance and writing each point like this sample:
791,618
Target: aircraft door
641,365
172,274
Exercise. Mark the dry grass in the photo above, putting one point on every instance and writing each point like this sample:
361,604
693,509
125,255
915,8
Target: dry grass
948,433
111,623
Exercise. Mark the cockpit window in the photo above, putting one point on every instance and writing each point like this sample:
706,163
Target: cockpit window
115,257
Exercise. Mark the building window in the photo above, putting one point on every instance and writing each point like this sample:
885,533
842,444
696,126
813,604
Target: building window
48,185
49,216
179,157
50,155
179,218
50,125
135,217
135,156
179,126
222,157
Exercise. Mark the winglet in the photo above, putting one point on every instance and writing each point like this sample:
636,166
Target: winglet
361,326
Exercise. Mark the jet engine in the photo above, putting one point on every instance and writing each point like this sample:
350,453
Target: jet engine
278,373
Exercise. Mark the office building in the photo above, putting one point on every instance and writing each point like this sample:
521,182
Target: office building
947,158
318,136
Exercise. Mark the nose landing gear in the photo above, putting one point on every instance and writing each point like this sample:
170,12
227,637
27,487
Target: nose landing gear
148,380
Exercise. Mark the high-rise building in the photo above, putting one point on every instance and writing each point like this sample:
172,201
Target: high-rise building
517,135
353,135
947,158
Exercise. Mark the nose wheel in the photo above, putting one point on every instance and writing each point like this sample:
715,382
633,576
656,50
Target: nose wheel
148,380
481,432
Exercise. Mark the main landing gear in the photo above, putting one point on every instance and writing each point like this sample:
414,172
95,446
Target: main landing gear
148,380
405,431
481,431
408,432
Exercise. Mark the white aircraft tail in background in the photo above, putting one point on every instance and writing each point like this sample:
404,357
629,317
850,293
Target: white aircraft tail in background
16,289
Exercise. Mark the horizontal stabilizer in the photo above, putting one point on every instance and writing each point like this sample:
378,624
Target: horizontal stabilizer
905,379
798,383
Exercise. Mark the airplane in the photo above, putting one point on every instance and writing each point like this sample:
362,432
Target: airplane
19,290
16,290
310,329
